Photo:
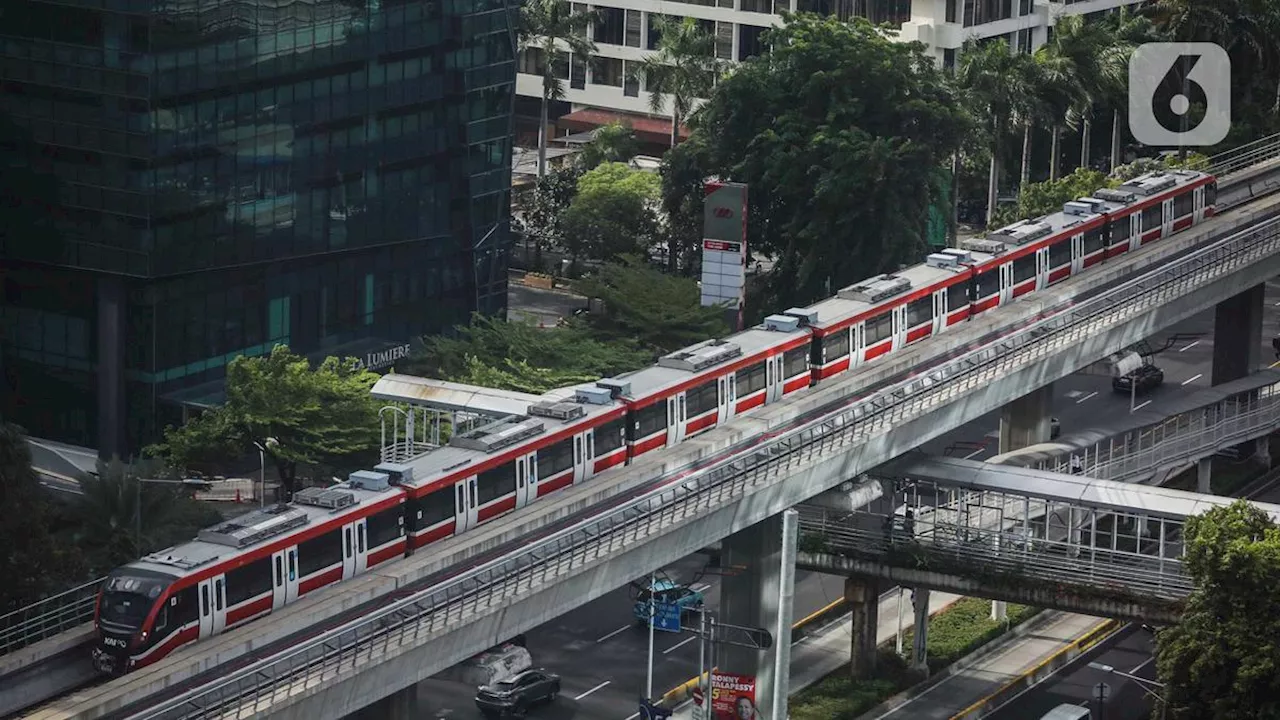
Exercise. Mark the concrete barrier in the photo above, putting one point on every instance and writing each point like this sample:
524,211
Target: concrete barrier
1040,672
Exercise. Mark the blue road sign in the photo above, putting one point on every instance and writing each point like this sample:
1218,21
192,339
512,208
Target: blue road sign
666,616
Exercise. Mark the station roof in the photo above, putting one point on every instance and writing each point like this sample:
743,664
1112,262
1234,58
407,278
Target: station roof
451,396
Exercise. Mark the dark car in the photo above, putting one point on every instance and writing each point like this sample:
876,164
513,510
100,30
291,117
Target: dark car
514,697
1142,380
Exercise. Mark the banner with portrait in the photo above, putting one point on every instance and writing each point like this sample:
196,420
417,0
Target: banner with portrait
733,697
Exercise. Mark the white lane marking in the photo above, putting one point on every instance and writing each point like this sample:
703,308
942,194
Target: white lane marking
1142,406
615,632
975,453
606,682
685,641
1188,381
1197,342
1086,397
1141,665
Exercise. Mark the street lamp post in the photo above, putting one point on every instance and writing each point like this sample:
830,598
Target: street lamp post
1143,684
262,468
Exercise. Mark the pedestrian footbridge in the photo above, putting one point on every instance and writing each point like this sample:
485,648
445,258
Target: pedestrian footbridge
1049,539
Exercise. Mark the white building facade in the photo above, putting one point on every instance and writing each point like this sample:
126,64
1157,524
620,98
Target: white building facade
602,85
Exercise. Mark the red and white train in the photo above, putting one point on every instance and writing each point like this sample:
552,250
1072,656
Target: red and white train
248,567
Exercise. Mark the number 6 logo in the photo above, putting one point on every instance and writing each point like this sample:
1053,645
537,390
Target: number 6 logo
1179,94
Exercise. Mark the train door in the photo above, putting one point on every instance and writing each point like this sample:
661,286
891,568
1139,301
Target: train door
1006,283
527,480
1197,199
773,378
1077,253
1042,268
361,554
348,551
675,419
464,505
940,308
213,606
284,575
725,396
1166,218
858,348
584,463
898,326
1135,230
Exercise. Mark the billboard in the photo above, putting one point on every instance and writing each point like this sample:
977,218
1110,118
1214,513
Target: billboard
724,247
733,697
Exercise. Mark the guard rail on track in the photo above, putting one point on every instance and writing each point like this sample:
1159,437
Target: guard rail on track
500,582
46,618
1238,158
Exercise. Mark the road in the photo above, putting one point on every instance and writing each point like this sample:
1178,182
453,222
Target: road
600,652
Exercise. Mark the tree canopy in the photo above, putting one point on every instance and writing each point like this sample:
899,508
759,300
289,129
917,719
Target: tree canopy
321,416
613,212
1040,198
612,143
837,131
1222,660
663,312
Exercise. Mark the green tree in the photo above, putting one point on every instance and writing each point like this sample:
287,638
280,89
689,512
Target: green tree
1080,63
613,213
1041,198
539,217
663,312
1221,661
682,176
612,143
34,565
511,355
1127,30
553,29
684,68
118,519
321,416
837,131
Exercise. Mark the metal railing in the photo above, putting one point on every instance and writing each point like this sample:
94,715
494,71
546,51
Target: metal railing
1238,158
455,603
48,617
1183,438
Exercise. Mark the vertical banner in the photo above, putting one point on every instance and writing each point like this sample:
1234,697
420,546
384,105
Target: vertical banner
724,248
733,697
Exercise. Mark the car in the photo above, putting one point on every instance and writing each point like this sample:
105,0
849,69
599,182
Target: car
667,592
513,697
1145,379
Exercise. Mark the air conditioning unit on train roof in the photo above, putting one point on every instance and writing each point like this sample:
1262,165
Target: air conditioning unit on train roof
1022,232
961,256
498,435
561,410
876,289
1116,196
398,473
593,395
942,260
983,245
782,323
806,316
617,388
1072,207
701,356
1150,184
369,480
1097,205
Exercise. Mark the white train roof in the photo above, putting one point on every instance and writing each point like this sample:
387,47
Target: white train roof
884,291
241,535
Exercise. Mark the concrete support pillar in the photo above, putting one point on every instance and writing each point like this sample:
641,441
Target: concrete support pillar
920,641
863,597
1025,421
1262,451
1204,472
112,296
1237,336
750,599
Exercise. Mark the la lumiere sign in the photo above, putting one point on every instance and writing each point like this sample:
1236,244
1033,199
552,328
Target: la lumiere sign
386,357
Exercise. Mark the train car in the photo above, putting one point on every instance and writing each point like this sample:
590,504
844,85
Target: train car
567,438
245,568
697,388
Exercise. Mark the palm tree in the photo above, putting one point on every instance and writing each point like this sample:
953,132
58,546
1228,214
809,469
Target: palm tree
1077,54
1245,28
997,83
551,26
1128,31
684,68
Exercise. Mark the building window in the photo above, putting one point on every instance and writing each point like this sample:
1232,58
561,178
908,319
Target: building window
1022,41
580,8
611,25
531,62
757,6
724,40
979,12
951,11
630,82
633,28
606,71
577,72
749,44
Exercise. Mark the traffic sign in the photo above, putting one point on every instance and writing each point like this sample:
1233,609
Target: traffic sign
697,696
666,617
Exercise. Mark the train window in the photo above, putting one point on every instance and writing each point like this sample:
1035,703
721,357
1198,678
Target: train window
610,436
248,581
319,553
162,621
988,283
1024,268
878,328
752,378
433,508
957,297
204,600
700,399
1060,254
385,526
1151,217
834,347
217,594
1093,241
496,482
1183,204
920,311
648,420
555,459
795,362
1120,230
1211,194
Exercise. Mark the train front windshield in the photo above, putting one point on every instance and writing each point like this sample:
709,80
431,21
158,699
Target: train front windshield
126,600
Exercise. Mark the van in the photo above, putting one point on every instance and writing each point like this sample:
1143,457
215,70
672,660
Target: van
489,668
1067,711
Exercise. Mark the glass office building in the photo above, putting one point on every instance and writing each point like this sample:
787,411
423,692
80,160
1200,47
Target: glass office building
232,174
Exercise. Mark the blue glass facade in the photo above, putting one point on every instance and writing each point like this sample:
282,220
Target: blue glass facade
232,174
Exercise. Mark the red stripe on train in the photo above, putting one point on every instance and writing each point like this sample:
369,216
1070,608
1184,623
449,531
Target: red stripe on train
315,582
563,480
798,382
753,401
506,504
